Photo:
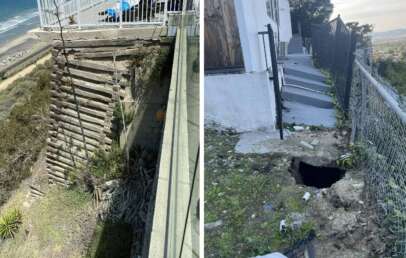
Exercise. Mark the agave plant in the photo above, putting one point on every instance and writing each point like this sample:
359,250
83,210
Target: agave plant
9,224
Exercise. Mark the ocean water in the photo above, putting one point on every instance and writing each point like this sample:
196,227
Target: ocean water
16,18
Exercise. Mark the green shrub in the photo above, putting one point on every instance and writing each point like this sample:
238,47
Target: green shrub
10,223
23,134
107,165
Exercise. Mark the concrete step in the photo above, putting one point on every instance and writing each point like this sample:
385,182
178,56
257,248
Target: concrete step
295,45
305,74
307,83
307,97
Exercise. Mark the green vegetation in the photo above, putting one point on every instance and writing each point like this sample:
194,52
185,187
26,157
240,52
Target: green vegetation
121,117
361,32
394,72
353,159
250,194
111,239
10,223
58,225
23,133
309,12
107,165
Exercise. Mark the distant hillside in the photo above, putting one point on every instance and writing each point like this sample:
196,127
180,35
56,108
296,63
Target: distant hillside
389,35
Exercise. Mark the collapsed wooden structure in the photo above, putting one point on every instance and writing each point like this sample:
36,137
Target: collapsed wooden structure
90,78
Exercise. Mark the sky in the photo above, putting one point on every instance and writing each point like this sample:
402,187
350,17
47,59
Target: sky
385,15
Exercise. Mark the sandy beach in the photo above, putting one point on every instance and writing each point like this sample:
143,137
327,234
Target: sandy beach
18,49
19,57
7,82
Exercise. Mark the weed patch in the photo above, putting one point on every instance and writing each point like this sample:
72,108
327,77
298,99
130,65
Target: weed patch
10,223
23,133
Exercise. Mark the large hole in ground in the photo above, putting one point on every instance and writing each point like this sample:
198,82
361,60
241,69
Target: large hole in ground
316,176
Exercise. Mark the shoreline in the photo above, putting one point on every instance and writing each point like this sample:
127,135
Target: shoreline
20,53
23,72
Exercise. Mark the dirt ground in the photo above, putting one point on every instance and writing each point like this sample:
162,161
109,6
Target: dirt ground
60,224
248,195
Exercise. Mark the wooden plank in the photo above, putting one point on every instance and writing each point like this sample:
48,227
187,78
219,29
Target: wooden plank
58,175
77,136
74,143
64,160
119,53
58,119
60,143
73,113
81,101
55,168
65,153
102,49
221,36
103,88
67,90
58,163
78,156
75,132
96,77
93,66
60,146
91,112
96,43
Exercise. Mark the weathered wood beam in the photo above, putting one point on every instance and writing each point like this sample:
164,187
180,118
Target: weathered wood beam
96,43
81,101
73,113
88,111
74,122
94,65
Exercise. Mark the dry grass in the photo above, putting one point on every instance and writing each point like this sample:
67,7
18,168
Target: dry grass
58,225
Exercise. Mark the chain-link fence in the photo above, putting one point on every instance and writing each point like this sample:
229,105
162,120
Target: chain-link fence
379,127
333,47
378,124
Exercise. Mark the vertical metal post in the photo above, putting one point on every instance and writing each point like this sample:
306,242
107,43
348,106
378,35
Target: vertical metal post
121,14
166,12
78,11
278,97
351,59
40,13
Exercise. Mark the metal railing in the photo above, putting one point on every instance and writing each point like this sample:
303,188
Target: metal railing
101,13
270,55
175,225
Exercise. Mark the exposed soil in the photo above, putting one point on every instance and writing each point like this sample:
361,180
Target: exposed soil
248,195
59,224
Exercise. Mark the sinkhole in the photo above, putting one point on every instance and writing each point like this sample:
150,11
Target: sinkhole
316,176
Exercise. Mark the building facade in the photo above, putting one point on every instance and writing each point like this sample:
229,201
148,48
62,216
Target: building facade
238,91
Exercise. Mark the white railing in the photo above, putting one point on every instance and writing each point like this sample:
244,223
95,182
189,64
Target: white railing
99,13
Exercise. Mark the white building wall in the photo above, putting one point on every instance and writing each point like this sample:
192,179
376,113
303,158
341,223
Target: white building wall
252,18
244,102
285,24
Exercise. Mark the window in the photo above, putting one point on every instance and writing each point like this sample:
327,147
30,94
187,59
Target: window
272,9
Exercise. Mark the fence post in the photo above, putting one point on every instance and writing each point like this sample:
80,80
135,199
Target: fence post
336,46
40,13
78,10
350,71
121,14
278,98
